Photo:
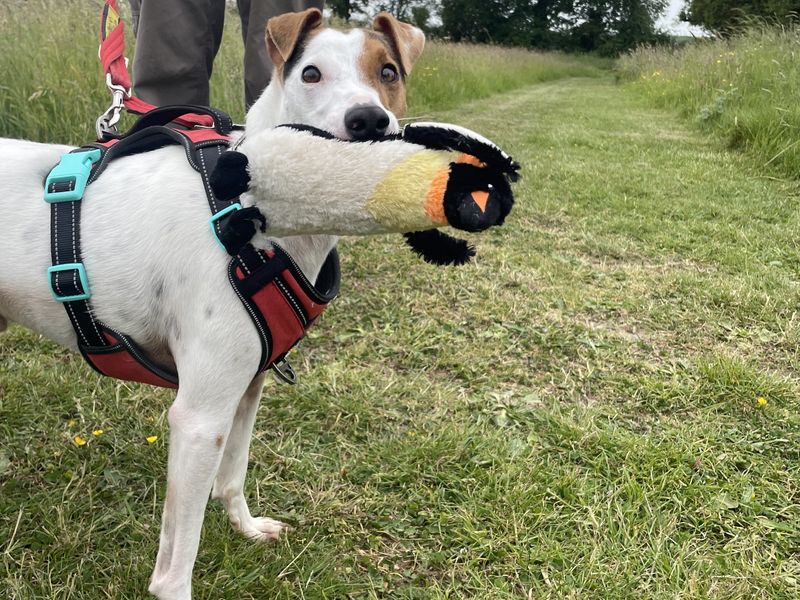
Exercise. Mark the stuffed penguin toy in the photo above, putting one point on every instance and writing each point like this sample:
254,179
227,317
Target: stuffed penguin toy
296,179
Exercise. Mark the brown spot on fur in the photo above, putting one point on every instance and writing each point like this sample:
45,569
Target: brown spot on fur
220,440
377,53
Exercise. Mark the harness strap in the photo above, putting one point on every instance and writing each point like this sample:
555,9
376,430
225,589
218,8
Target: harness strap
68,280
108,351
281,302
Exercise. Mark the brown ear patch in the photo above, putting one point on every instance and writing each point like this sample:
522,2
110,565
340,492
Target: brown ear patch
286,31
376,55
406,40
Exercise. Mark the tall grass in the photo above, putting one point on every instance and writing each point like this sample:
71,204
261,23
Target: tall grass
51,87
449,74
744,89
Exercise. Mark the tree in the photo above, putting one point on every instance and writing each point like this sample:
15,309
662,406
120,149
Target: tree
342,8
607,26
726,16
418,12
420,16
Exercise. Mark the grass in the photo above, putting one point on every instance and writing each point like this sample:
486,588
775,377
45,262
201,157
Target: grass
743,89
575,415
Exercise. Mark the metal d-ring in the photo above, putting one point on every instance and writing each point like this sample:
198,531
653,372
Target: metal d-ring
284,371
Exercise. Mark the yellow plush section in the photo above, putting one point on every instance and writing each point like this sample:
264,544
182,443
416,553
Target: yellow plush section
400,200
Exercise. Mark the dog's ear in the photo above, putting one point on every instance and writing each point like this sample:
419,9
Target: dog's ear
407,40
285,31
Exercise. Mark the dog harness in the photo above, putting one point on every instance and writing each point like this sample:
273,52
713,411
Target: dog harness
281,302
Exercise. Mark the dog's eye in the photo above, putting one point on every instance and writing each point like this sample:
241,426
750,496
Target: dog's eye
389,74
311,74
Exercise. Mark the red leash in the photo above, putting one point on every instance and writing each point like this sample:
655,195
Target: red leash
118,80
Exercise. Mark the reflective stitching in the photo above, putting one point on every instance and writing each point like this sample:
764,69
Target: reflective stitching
127,345
256,322
72,214
57,283
291,299
75,320
55,230
206,184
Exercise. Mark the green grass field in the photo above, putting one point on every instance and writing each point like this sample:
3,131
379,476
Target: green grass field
743,89
604,405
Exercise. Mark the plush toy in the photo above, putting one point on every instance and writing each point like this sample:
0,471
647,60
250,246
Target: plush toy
298,179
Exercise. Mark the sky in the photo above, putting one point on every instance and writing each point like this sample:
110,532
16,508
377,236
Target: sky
670,23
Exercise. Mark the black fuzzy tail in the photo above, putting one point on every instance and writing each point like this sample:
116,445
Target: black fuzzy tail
439,248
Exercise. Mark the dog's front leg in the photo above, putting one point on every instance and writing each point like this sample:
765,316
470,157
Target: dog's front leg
229,484
200,419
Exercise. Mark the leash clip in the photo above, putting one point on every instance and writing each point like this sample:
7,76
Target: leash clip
106,123
284,372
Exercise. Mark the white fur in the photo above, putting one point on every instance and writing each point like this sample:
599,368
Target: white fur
144,227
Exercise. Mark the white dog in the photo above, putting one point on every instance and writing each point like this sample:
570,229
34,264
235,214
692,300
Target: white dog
348,83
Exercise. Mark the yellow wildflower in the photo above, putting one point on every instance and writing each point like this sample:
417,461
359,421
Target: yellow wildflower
72,423
761,401
97,432
79,441
152,439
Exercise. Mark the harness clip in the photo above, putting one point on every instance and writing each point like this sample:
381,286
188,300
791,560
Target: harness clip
67,180
107,122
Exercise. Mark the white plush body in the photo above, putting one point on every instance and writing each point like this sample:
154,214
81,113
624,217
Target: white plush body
355,189
157,275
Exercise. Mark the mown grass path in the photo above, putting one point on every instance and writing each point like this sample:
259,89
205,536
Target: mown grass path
605,405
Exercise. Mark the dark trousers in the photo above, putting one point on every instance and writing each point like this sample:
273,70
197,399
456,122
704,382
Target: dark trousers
177,40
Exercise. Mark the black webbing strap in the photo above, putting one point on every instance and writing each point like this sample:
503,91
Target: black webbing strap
68,275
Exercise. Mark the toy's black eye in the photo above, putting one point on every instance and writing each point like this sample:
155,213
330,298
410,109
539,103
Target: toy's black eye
389,74
311,74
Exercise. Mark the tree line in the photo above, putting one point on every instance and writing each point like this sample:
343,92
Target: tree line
606,27
727,16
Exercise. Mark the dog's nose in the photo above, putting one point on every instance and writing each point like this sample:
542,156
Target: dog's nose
366,122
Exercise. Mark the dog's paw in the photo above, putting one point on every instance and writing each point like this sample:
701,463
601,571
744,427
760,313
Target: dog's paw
262,529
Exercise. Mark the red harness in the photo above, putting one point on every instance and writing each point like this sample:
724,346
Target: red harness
281,302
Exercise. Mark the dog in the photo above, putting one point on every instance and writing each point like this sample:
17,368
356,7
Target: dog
161,281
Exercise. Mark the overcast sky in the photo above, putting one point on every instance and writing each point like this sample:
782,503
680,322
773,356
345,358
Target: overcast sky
669,22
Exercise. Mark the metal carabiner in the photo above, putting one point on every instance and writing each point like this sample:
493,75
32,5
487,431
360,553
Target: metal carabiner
106,123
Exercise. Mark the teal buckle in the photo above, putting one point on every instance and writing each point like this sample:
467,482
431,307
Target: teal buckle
212,220
73,169
81,275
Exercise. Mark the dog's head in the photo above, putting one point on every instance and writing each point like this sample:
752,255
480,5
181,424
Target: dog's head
349,83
